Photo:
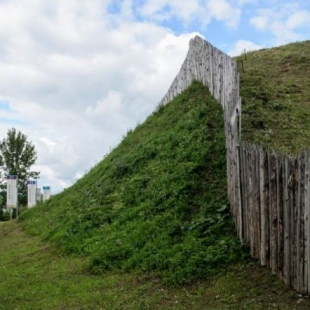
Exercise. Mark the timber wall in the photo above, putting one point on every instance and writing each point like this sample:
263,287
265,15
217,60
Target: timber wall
275,212
218,72
269,194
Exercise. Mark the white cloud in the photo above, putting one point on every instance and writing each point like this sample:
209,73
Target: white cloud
242,46
224,11
193,11
111,104
298,19
243,2
260,22
79,81
282,20
164,9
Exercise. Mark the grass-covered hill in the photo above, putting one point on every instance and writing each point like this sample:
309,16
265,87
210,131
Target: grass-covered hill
157,205
157,202
275,91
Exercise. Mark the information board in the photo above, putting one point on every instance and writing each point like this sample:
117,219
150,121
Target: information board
32,193
46,192
11,197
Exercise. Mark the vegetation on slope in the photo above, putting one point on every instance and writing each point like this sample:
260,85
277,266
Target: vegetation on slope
275,91
36,276
157,202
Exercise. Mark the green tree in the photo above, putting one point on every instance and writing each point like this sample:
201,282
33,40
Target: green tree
17,155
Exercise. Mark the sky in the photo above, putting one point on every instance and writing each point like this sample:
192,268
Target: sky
76,75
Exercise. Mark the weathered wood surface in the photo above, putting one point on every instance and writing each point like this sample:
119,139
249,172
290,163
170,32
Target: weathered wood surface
275,200
213,68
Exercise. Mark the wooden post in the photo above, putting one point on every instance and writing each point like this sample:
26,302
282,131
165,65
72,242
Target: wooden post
257,203
273,221
280,177
246,194
292,204
307,221
302,282
286,221
262,188
267,207
240,189
251,208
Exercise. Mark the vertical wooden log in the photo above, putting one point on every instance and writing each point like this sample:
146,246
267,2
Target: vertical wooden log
286,220
298,222
239,194
302,282
305,201
257,193
254,201
247,195
244,193
249,213
262,188
241,190
273,215
307,221
241,236
267,206
292,203
295,230
229,164
280,176
251,197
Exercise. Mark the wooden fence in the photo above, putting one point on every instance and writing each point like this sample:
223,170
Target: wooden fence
275,212
269,194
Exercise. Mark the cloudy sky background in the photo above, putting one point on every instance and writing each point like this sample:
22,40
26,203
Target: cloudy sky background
75,75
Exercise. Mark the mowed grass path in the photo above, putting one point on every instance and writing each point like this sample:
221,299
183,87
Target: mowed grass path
35,276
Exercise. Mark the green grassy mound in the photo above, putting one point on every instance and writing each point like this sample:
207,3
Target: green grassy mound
275,92
156,203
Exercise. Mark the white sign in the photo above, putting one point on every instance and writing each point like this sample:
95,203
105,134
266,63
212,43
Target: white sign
11,194
32,193
38,194
46,192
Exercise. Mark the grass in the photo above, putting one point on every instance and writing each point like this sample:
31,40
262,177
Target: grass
34,275
157,203
275,91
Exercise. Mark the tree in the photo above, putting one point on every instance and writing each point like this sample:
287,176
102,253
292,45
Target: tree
17,155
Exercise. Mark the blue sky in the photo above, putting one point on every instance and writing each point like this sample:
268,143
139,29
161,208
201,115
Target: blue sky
224,23
4,106
75,75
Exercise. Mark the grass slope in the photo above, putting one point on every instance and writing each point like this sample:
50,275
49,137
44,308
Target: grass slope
275,91
36,276
157,202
